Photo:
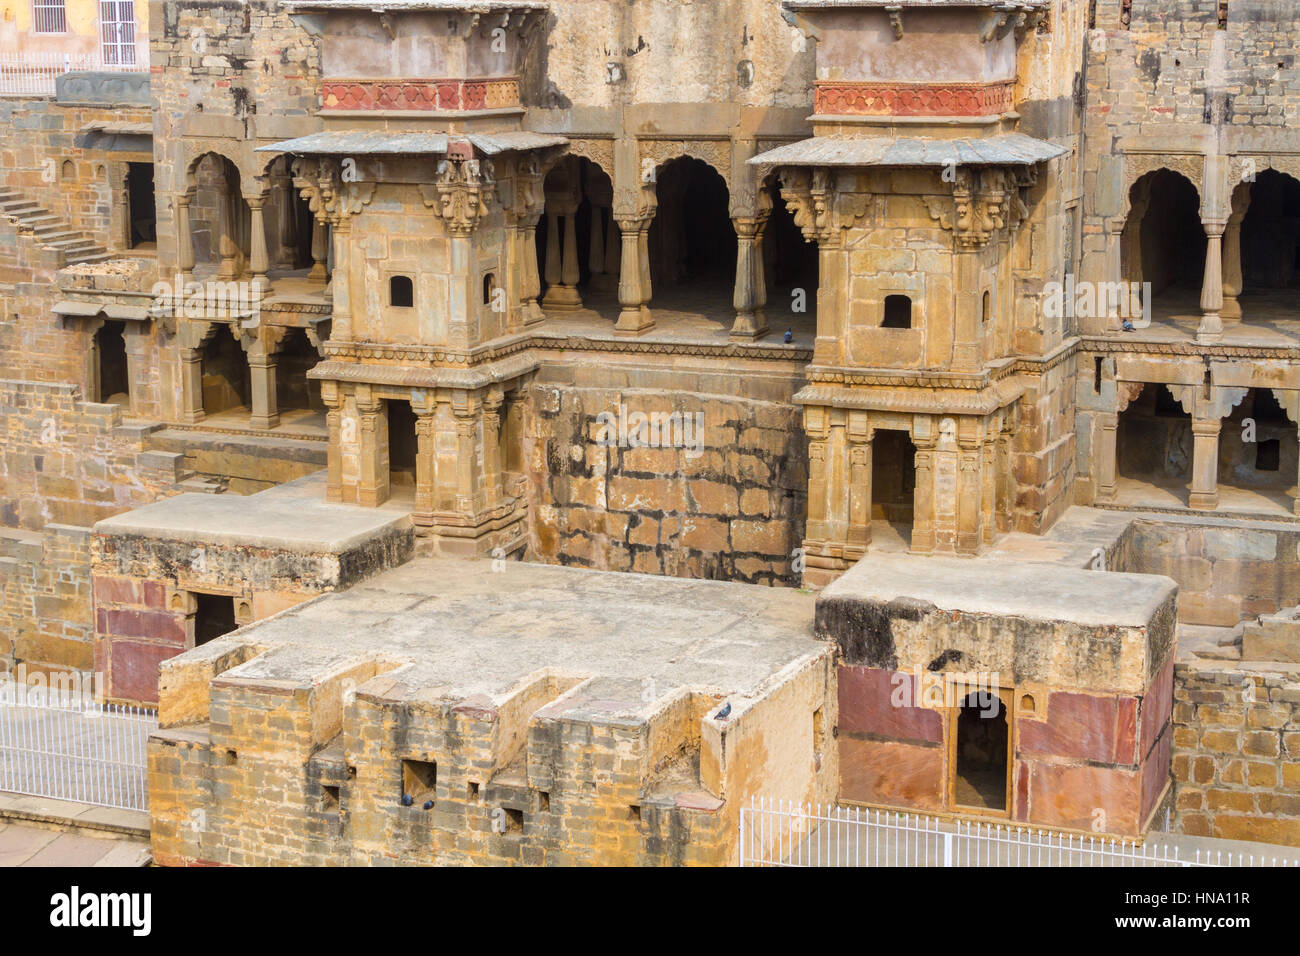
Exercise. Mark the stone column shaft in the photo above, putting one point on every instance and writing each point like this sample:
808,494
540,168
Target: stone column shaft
634,278
258,261
750,292
1105,458
1204,493
1211,328
265,413
184,241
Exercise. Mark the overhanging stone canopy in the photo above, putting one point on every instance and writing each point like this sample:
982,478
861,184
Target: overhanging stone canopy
1009,149
375,142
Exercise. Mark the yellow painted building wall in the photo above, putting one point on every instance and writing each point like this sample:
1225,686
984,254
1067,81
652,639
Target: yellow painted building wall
82,36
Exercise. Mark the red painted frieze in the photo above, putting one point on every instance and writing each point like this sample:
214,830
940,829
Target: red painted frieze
421,94
910,99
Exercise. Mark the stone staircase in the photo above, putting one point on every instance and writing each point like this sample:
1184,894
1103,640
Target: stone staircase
48,229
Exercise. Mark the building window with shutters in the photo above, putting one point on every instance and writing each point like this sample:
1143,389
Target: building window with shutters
49,16
117,32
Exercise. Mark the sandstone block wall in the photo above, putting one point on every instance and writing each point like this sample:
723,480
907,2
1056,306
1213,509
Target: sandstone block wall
1236,755
310,769
72,462
45,609
733,512
1226,571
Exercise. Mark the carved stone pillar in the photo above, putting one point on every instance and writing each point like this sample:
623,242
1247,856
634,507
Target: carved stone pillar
562,272
988,491
1204,495
286,234
970,491
634,276
372,460
859,531
751,285
1117,235
467,425
531,286
184,240
261,369
341,328
192,386
923,533
1211,328
492,484
319,250
609,276
228,243
258,262
1104,457
1232,279
334,455
426,465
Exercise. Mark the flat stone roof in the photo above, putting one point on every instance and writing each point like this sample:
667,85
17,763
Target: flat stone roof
464,629
1003,587
291,517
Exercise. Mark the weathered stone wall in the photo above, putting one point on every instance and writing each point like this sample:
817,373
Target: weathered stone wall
67,461
311,769
1226,571
45,612
735,511
1237,752
39,156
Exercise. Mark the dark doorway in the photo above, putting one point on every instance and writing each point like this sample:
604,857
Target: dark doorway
1270,234
893,476
114,380
789,260
213,616
692,238
293,389
1169,251
1154,440
980,775
402,443
225,373
140,204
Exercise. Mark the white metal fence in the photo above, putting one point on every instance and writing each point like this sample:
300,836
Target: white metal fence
782,833
33,74
65,746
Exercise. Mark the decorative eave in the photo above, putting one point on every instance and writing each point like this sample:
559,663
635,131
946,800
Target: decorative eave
1008,149
376,142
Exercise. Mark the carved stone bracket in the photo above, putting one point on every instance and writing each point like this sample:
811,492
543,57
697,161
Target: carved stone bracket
982,205
1125,393
1219,404
329,196
461,193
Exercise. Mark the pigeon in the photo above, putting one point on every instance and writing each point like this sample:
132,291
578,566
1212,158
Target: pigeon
789,336
1128,326
428,804
406,800
724,713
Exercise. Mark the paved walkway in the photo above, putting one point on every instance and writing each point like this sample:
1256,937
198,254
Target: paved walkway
26,844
